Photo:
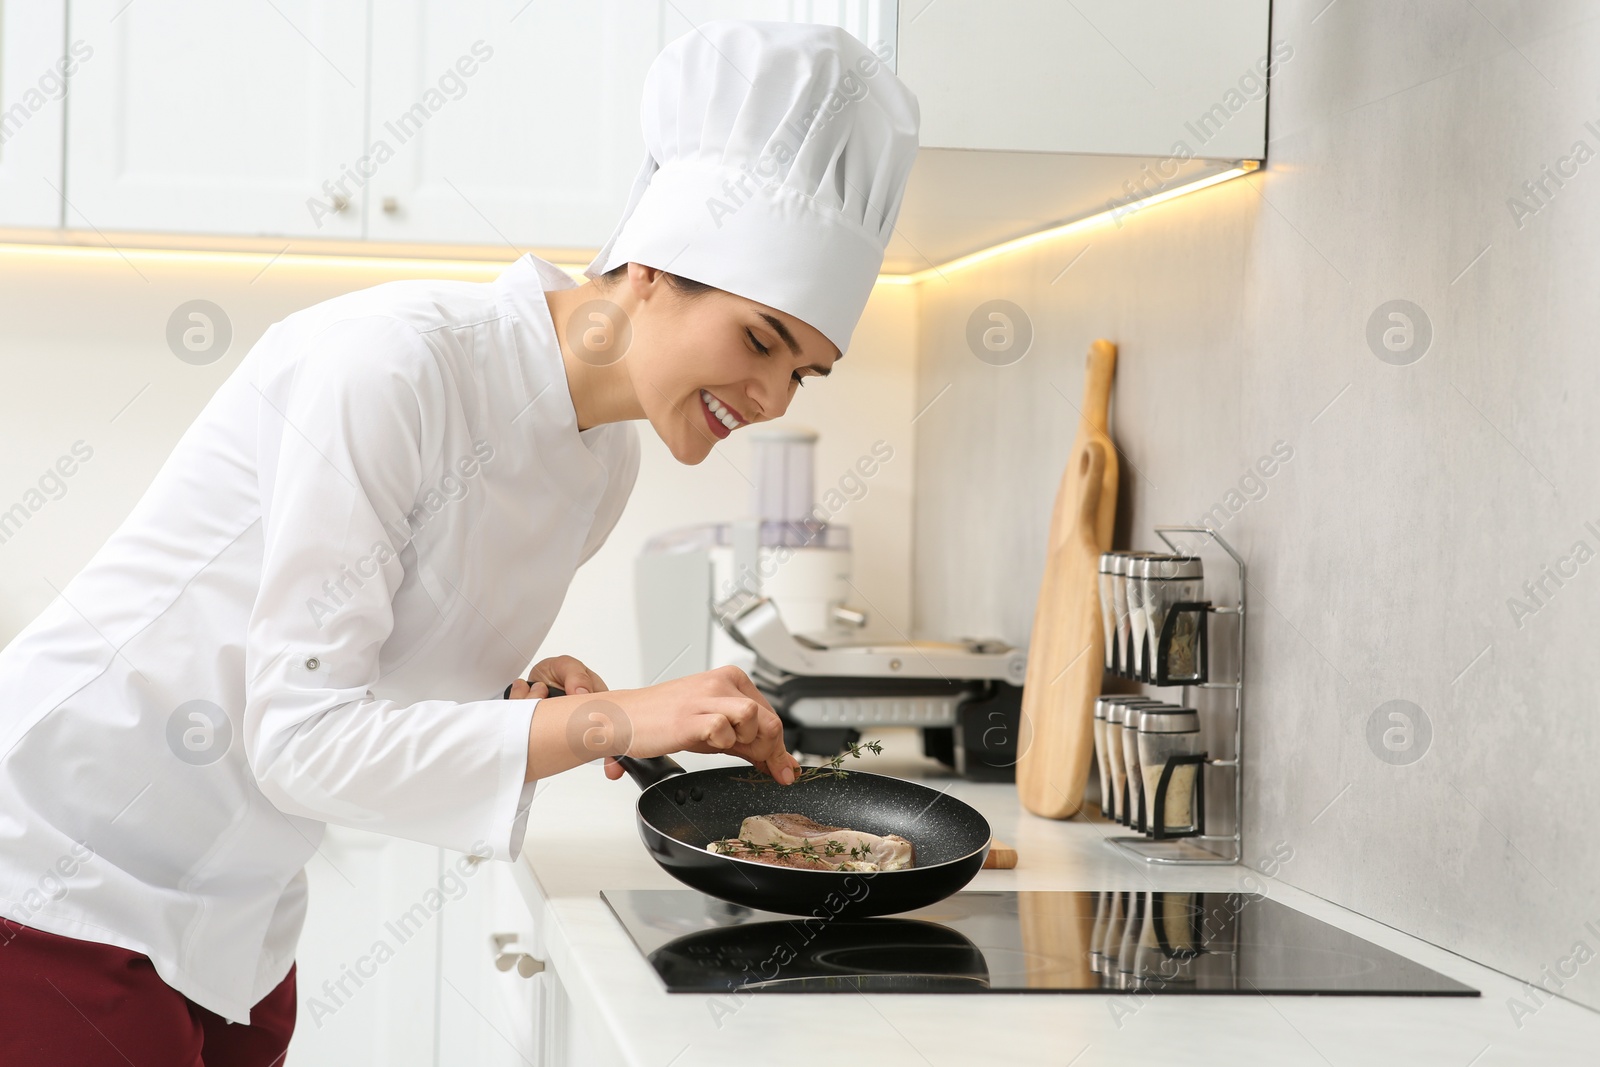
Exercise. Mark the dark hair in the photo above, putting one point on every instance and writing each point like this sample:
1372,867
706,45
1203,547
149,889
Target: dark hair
685,286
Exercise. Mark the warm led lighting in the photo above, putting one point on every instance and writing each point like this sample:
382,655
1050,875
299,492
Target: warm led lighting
1099,218
435,267
261,259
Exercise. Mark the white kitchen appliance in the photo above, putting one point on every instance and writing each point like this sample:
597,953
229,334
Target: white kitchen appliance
770,594
784,550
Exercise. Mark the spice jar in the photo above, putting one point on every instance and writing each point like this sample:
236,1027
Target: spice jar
1164,582
1101,757
1114,757
1131,815
1108,607
1140,637
1171,736
1132,707
1121,565
1181,655
1119,601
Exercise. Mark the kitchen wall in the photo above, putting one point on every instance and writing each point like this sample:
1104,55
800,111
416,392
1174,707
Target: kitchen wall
85,362
1429,530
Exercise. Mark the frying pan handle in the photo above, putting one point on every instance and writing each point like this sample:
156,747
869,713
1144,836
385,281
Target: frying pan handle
645,771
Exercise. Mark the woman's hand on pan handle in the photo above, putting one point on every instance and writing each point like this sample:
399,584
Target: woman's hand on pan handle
570,676
715,711
560,672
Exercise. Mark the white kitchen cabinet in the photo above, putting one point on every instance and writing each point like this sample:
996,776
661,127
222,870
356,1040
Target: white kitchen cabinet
519,125
1118,77
488,1017
397,964
566,1035
515,125
217,118
34,61
367,973
1038,112
506,124
572,1039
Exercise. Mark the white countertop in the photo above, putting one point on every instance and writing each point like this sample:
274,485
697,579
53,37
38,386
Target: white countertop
582,839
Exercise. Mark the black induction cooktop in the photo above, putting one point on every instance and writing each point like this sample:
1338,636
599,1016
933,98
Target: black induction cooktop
1028,942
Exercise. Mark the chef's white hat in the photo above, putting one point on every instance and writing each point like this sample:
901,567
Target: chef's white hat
776,155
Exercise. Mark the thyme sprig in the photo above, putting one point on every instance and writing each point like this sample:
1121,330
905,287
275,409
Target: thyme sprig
743,846
832,769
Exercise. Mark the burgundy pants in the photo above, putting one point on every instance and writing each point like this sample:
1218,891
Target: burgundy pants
64,1001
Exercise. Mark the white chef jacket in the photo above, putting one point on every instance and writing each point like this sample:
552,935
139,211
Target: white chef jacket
308,618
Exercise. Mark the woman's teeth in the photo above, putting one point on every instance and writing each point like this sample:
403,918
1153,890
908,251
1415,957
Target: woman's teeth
724,416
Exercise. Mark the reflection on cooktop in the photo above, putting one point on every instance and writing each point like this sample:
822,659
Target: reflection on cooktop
1031,942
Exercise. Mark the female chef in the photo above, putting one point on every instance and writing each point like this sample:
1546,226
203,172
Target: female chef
312,613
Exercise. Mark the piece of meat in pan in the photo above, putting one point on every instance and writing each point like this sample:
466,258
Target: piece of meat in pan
789,840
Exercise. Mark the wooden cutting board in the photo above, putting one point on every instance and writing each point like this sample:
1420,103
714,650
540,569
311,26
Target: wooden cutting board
1066,651
1001,855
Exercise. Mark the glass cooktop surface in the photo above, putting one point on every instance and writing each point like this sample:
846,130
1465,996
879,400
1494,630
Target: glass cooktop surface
1028,942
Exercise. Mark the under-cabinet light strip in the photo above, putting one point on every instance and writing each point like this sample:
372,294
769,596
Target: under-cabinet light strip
426,265
1100,218
232,258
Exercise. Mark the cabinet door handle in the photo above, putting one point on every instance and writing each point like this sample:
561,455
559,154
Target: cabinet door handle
391,205
509,953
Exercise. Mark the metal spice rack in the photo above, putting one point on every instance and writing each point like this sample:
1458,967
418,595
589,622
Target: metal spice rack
1208,850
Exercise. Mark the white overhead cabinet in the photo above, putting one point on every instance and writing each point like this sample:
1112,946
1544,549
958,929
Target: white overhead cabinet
35,60
1036,112
518,125
498,123
216,118
483,122
1107,77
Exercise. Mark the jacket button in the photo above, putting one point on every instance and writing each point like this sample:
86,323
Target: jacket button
313,663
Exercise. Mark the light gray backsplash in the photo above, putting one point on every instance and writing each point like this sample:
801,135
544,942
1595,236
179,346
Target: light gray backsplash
1385,555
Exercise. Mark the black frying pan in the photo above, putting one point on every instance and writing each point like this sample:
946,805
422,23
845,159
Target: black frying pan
680,812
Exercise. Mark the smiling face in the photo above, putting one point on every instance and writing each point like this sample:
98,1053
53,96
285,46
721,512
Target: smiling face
704,364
